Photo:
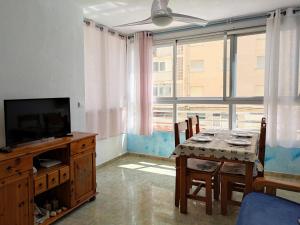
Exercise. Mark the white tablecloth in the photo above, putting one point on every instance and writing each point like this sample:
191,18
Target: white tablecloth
218,148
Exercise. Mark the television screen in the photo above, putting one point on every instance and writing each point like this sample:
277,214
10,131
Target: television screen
32,119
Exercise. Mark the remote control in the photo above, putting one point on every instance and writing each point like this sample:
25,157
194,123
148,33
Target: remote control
6,149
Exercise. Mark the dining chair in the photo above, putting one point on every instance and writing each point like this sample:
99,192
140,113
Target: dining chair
233,174
199,173
193,123
179,128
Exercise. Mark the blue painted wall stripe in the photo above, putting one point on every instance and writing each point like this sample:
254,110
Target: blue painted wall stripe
161,144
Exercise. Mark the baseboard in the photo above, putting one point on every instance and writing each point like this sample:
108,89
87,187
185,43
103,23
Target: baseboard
267,173
282,175
150,156
112,160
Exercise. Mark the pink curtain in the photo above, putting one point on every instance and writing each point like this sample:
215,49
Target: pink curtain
139,57
105,81
145,48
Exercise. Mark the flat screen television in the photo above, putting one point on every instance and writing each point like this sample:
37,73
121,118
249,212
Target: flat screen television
28,120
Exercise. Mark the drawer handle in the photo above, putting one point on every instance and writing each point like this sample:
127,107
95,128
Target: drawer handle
83,146
53,180
18,161
21,204
40,184
64,175
8,169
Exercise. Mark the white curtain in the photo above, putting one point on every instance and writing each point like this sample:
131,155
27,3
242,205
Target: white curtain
282,100
139,56
105,81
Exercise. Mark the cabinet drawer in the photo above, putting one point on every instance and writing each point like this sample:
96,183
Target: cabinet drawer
40,184
80,146
14,166
53,179
64,174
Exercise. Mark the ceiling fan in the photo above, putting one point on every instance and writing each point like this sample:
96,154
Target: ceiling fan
162,15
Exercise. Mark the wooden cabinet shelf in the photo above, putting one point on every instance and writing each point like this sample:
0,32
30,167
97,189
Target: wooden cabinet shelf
48,178
43,171
71,183
55,218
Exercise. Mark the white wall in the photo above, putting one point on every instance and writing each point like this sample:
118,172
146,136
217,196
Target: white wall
41,54
111,148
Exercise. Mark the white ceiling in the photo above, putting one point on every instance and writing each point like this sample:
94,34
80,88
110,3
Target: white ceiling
112,13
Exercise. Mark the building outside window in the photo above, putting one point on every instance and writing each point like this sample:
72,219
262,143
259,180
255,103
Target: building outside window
197,66
260,62
159,66
162,90
247,76
193,57
163,117
200,87
155,66
162,66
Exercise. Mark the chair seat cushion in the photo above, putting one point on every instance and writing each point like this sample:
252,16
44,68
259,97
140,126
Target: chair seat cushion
233,168
202,165
262,209
236,168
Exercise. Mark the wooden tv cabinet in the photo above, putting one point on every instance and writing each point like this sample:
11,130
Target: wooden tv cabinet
72,183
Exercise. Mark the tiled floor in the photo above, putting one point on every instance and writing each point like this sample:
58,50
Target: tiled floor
140,191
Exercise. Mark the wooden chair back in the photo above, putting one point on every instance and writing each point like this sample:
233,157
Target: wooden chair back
194,122
262,144
181,127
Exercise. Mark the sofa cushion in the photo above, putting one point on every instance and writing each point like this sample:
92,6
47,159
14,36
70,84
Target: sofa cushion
262,209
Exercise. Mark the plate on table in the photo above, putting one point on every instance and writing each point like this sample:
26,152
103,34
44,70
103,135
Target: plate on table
201,138
209,132
242,134
238,142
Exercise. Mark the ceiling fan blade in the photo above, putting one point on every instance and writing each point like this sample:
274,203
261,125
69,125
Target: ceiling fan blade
189,19
159,5
142,22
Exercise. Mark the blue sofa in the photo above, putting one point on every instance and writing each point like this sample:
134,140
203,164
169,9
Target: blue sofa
259,208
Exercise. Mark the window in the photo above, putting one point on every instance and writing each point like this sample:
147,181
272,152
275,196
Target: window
165,90
155,66
162,90
250,54
226,93
299,77
260,62
210,116
249,116
162,71
193,57
159,66
163,117
197,66
162,66
155,91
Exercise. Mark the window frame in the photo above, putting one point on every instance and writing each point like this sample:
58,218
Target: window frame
231,100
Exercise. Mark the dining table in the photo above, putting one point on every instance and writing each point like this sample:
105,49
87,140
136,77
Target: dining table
220,147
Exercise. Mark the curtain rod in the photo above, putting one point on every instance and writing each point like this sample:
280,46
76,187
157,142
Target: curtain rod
223,21
101,27
283,12
212,23
149,33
